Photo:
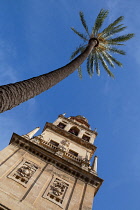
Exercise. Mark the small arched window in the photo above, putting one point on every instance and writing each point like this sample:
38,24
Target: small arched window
86,138
61,125
74,130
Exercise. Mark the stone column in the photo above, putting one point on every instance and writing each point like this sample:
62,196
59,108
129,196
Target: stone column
94,165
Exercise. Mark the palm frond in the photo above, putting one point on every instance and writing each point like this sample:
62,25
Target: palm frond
88,65
112,25
79,34
84,22
97,65
114,60
80,72
114,31
122,38
99,21
105,66
92,64
118,29
110,42
115,50
78,50
107,58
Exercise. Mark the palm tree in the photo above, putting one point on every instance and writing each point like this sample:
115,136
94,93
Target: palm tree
101,53
96,49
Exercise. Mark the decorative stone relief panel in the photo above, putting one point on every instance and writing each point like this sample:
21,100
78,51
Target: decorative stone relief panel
65,143
58,191
23,172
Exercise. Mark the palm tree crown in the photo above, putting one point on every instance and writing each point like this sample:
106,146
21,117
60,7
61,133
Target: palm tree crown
101,54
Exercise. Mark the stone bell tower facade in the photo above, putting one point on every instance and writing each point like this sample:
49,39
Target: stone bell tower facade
51,171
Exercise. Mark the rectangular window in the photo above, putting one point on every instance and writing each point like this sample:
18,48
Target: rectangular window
73,153
54,143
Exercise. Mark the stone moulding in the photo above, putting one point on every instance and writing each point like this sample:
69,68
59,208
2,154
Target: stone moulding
2,207
85,128
58,150
71,136
50,157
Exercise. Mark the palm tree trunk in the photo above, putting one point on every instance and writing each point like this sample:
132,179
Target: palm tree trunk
12,95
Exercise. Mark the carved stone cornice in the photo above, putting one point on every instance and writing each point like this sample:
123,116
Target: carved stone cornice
2,207
71,121
70,136
63,163
85,128
60,151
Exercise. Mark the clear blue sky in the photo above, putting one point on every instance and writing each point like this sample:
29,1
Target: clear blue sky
35,38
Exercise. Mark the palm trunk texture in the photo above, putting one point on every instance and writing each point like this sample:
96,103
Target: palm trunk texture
13,94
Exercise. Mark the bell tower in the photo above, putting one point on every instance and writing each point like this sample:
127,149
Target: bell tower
52,170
